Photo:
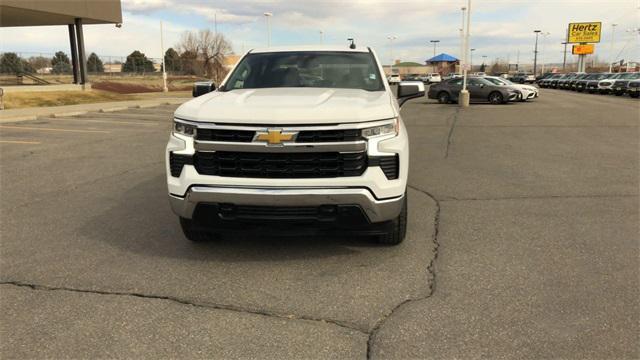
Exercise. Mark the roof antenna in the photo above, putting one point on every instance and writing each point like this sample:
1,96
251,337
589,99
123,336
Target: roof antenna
353,44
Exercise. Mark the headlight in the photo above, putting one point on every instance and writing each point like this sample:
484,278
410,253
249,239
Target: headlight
386,129
184,129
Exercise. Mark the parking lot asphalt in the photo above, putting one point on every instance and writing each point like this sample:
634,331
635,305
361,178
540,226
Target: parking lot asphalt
522,243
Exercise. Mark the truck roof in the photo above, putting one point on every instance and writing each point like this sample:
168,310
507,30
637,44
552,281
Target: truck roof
344,48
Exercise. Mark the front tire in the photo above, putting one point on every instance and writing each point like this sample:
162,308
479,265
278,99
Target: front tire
193,233
398,229
496,98
444,98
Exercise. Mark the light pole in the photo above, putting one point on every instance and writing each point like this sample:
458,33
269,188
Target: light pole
544,41
391,38
435,44
321,37
564,59
535,52
471,59
462,55
464,94
611,59
164,66
268,16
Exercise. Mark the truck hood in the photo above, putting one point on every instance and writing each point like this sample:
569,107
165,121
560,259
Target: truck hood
289,106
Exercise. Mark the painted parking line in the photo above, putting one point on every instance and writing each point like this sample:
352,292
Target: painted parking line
19,142
52,129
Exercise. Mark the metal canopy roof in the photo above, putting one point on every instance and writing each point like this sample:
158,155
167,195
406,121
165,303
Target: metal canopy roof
59,12
442,58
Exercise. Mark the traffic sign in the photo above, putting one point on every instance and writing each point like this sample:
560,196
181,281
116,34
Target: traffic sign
582,49
587,32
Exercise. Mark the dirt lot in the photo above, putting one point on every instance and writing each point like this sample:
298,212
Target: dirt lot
57,98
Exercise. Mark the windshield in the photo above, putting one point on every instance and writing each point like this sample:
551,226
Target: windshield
628,76
346,70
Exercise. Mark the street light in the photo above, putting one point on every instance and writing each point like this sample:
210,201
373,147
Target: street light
535,52
544,41
462,47
321,37
611,58
268,16
164,66
564,59
464,93
391,38
435,44
471,59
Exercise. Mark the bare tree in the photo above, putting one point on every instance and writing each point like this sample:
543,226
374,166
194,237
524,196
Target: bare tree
211,50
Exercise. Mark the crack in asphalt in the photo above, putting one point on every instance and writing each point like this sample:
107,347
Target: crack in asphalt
430,270
178,300
450,134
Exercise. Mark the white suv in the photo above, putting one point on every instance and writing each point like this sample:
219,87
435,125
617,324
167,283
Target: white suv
295,138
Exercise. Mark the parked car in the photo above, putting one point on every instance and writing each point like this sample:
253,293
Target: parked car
480,90
394,79
572,83
621,85
591,85
563,82
433,78
275,149
522,78
633,88
546,82
412,77
581,85
607,86
544,76
451,76
528,92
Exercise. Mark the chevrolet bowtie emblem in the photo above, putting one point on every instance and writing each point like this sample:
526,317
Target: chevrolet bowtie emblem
274,136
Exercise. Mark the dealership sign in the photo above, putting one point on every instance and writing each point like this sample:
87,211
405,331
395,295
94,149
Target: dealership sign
588,32
582,49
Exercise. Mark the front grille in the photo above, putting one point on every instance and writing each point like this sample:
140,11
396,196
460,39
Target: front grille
620,83
177,162
634,84
231,211
307,136
225,135
313,136
280,165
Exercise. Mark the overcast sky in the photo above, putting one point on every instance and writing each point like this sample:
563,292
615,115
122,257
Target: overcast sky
499,28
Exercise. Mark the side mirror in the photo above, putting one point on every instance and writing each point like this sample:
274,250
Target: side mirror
202,87
408,90
481,85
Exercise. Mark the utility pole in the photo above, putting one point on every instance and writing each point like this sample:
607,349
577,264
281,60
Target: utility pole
268,15
517,59
164,66
435,43
611,59
535,52
215,23
321,37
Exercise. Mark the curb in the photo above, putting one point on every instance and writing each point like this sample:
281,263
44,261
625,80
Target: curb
70,113
119,108
18,118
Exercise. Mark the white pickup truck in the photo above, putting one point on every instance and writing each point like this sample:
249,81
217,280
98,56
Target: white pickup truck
295,139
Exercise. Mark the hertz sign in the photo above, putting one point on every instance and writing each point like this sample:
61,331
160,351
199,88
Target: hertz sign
584,32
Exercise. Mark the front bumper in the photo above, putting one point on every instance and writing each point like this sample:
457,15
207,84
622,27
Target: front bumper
376,210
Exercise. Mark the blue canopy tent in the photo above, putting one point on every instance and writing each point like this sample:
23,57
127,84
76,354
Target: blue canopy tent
443,63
